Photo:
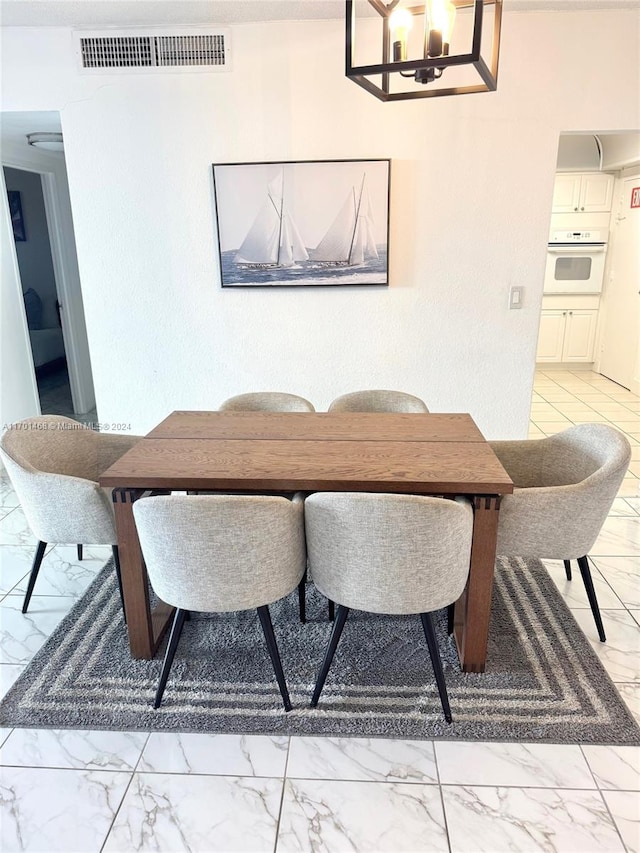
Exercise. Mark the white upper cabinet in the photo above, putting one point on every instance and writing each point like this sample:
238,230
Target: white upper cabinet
597,192
566,193
582,192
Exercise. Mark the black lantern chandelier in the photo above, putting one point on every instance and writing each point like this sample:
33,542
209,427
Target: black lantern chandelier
416,46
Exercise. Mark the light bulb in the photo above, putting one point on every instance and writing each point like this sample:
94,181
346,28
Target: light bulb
439,18
400,22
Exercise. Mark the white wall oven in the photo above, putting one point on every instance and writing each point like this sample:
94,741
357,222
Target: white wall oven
575,258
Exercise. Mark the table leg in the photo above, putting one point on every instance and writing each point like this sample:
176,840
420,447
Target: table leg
145,626
473,608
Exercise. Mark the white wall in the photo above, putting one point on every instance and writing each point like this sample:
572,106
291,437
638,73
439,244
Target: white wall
621,150
472,180
578,153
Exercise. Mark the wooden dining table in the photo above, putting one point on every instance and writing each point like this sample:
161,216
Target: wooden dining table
269,452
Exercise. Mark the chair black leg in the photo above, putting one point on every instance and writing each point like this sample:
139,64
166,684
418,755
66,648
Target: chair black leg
334,639
176,630
35,568
302,590
267,628
79,547
567,569
116,560
451,609
332,610
434,653
585,571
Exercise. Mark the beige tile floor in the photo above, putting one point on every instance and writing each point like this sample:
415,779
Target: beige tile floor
124,791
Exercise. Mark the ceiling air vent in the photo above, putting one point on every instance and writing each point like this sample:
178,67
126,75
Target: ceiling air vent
188,49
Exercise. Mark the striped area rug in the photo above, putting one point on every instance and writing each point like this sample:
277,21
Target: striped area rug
543,681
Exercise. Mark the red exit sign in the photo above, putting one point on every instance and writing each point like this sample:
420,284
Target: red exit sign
635,197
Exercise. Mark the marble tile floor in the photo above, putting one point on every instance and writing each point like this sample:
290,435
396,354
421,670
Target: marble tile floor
124,791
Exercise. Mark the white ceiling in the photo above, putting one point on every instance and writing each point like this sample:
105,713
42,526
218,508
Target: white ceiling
99,13
15,126
96,13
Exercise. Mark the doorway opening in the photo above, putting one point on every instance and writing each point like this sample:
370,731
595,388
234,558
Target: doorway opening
590,318
39,290
39,206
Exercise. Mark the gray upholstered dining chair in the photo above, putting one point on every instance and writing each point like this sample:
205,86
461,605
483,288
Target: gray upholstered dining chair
266,401
221,553
54,464
378,401
391,554
564,488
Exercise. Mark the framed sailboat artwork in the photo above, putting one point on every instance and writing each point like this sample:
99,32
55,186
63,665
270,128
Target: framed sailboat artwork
303,223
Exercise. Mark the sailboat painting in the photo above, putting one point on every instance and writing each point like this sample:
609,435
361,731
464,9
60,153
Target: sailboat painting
314,222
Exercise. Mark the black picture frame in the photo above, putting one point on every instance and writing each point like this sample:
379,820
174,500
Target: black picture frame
303,223
17,219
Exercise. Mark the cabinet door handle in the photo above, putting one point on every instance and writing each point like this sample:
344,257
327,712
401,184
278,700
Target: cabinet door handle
575,208
564,313
570,313
582,208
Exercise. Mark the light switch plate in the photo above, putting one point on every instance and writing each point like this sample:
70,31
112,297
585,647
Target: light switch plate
516,295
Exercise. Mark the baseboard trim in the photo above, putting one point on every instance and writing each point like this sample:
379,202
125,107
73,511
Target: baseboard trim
573,366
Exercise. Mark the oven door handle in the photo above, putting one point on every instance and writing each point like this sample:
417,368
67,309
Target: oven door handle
576,250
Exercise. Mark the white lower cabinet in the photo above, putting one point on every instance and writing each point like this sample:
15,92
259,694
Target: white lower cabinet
567,334
580,335
551,335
